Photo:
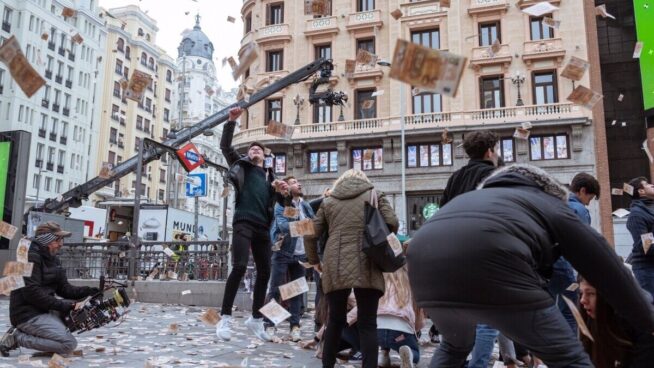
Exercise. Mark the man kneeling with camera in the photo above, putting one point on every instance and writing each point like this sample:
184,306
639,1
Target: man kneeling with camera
36,310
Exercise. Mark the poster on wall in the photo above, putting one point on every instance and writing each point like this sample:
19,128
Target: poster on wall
412,157
152,223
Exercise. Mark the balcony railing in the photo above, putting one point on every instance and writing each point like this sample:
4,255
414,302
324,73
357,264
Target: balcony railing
487,6
543,49
60,169
200,261
55,107
53,136
366,19
6,26
61,51
483,117
63,140
59,78
69,83
420,8
38,163
274,32
42,133
45,103
320,26
66,111
49,166
71,56
51,46
48,74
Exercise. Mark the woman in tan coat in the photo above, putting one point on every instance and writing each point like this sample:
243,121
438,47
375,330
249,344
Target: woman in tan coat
345,266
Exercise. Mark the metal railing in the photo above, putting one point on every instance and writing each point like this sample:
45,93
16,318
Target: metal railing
202,260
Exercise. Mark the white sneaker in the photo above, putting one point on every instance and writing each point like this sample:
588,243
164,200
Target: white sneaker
258,329
223,329
295,334
406,357
384,359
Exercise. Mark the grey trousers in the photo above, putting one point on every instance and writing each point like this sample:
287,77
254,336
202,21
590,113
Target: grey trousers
543,331
46,332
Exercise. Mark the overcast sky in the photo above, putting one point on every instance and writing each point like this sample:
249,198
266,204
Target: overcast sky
171,20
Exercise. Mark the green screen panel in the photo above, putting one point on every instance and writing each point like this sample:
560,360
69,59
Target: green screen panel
5,148
644,10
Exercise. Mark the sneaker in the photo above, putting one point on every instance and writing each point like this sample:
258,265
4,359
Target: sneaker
256,326
295,334
8,342
406,357
384,359
355,356
223,329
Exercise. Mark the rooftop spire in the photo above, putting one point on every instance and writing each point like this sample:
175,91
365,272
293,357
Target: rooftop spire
197,20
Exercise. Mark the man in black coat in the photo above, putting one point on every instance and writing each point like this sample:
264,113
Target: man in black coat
641,222
255,197
35,310
485,258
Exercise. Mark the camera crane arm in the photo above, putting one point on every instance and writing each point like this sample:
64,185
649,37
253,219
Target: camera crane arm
74,197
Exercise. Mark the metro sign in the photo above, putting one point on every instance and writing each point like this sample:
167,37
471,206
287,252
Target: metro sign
190,157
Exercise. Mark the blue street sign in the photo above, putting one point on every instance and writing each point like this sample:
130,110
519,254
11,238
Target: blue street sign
192,156
196,186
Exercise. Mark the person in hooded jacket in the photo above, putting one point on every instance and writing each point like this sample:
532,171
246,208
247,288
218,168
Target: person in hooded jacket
641,222
255,187
485,258
345,266
36,310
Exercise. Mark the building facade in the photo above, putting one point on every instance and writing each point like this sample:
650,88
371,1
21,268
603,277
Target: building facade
64,115
131,45
521,83
200,96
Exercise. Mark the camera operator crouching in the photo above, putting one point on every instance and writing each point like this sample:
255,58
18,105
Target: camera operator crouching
35,312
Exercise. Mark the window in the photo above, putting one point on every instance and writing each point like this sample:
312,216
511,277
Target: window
151,63
322,113
539,30
58,184
166,115
144,59
140,32
279,164
119,67
550,147
363,109
167,95
427,102
36,181
323,51
247,22
48,184
114,112
367,44
137,143
6,18
274,60
275,14
491,92
127,53
428,38
139,122
488,33
169,76
120,44
323,161
545,91
507,149
426,155
116,89
365,5
273,110
161,195
113,132
367,158
126,72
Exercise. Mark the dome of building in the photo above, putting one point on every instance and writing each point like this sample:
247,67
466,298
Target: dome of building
196,43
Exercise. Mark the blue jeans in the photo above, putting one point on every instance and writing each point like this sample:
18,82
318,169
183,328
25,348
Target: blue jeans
388,340
283,265
484,342
645,278
562,276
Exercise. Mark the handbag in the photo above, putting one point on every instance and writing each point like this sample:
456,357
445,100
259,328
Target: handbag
375,238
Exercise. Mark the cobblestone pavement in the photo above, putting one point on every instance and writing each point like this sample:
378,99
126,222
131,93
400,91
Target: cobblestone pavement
145,336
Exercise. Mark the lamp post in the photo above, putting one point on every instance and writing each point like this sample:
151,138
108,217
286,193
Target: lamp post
517,81
38,189
298,102
402,145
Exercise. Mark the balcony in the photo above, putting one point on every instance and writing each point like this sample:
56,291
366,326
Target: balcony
363,20
61,51
502,118
55,107
481,57
247,38
59,78
53,136
42,133
481,7
69,83
71,56
321,26
38,163
49,166
422,9
60,169
543,49
272,33
45,103
6,26
527,3
63,140
66,111
51,46
366,72
48,74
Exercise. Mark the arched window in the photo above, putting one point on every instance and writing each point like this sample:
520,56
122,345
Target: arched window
169,76
140,32
120,44
144,59
127,51
147,37
151,63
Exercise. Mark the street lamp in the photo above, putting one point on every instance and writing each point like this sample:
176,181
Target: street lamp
402,145
518,80
298,102
38,189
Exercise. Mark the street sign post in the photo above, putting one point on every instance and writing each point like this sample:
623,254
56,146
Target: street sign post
196,185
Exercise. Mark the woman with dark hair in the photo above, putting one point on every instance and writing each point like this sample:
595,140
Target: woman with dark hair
616,343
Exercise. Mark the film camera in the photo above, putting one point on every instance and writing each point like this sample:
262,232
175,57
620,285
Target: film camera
97,311
329,97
